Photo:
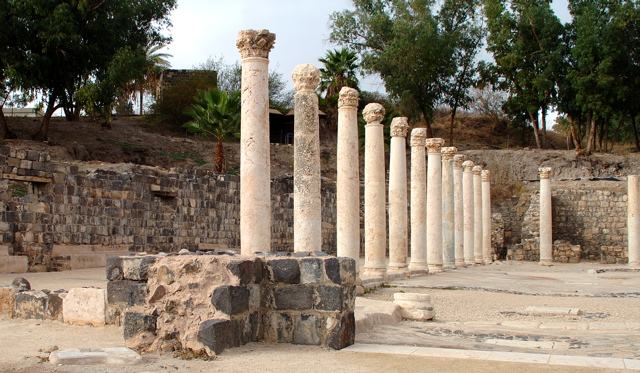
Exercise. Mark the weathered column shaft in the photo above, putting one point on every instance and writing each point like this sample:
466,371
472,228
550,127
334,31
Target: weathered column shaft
448,220
348,177
375,231
434,204
458,210
307,212
468,203
477,214
418,261
398,230
546,225
633,219
255,178
486,217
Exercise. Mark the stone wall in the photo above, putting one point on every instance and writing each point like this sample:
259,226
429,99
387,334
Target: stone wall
46,206
213,302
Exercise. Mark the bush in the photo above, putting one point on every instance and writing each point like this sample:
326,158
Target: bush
177,97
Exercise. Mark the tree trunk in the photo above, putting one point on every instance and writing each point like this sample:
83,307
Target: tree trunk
43,132
635,132
592,135
5,132
220,166
543,139
453,118
428,125
141,103
576,139
536,128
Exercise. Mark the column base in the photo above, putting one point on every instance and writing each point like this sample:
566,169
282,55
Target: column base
479,260
546,262
418,266
488,260
470,263
435,268
417,272
460,263
375,271
396,275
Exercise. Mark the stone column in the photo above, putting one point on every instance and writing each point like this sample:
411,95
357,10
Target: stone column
458,210
448,221
546,224
477,214
307,212
348,180
375,230
467,186
418,263
255,177
633,219
434,204
398,234
486,217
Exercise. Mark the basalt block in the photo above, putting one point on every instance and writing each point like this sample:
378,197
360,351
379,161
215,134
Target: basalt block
284,270
231,300
219,334
125,291
293,297
30,304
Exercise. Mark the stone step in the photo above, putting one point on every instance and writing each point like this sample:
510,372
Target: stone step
4,250
13,264
62,250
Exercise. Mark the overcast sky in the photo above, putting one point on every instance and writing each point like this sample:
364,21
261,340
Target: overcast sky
204,28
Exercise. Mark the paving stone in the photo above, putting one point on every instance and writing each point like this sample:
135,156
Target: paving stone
552,311
521,344
607,326
587,361
521,324
564,326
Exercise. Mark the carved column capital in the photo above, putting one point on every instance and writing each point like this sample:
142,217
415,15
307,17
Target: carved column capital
448,152
306,77
434,144
477,170
468,166
399,127
418,135
255,43
486,175
545,172
348,97
373,113
458,159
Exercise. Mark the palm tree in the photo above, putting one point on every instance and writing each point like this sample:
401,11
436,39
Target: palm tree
339,71
216,114
155,63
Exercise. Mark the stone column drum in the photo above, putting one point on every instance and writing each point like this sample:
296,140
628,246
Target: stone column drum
398,232
477,214
458,210
546,225
486,217
255,177
307,213
468,203
348,178
375,230
448,220
633,219
434,204
418,262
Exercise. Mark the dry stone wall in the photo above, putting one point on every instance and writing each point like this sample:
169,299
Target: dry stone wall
45,206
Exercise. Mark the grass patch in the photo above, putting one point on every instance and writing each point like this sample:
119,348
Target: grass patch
18,191
196,157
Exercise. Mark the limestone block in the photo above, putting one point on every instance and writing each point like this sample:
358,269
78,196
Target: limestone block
30,304
85,306
219,334
14,263
7,301
415,306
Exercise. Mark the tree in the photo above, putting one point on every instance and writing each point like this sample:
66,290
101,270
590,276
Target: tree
339,71
155,63
216,114
525,38
67,44
407,45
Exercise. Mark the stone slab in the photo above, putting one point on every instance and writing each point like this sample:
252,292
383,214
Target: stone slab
607,326
518,357
521,344
85,306
14,263
632,364
552,311
587,361
521,324
83,356
452,353
564,326
381,349
374,312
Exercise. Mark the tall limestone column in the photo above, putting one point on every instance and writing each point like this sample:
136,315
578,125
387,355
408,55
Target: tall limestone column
418,262
255,177
307,212
486,217
398,232
477,214
375,230
348,180
448,219
468,203
546,224
458,210
434,204
633,219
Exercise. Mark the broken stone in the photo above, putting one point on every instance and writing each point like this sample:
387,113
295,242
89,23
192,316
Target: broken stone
21,283
165,275
342,331
415,306
137,268
30,304
55,301
7,301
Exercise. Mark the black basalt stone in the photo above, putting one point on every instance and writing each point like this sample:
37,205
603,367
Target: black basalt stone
231,300
293,297
343,333
329,298
219,334
136,323
332,268
311,270
284,270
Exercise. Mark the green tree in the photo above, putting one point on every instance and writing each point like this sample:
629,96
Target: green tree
155,63
339,71
216,114
407,45
525,38
67,44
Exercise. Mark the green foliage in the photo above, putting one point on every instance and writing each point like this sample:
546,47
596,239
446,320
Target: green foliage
339,71
178,97
416,52
18,190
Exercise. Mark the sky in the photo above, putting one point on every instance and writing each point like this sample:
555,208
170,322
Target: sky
205,28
